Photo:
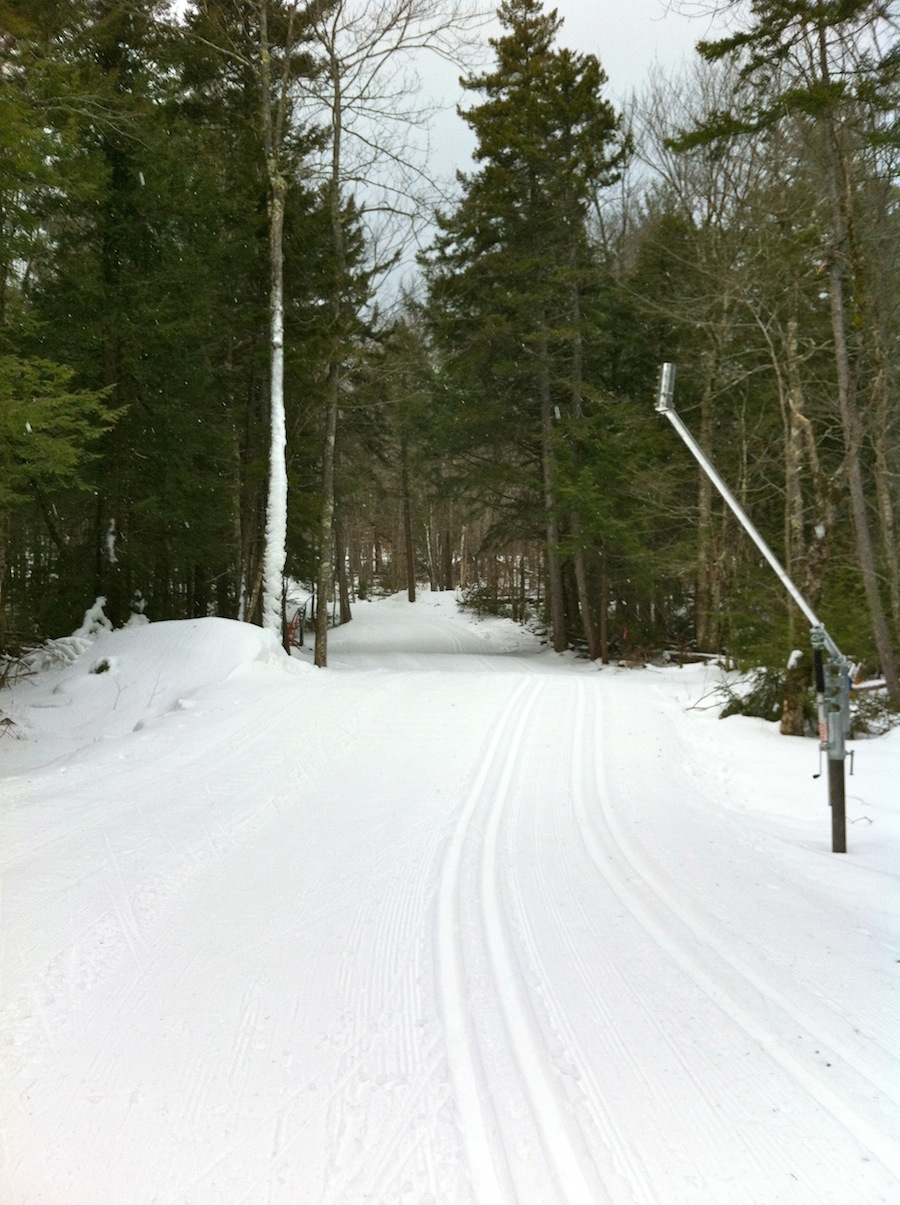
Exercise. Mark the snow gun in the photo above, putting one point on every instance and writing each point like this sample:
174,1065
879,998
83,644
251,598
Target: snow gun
831,668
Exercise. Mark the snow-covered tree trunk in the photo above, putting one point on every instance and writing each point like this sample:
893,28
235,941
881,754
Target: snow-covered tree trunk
276,506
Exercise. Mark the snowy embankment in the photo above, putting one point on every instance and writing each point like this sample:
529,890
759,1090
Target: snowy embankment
454,921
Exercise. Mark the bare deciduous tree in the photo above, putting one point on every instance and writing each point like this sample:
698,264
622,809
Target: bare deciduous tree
367,96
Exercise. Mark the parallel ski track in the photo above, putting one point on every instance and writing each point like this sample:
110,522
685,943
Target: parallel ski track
614,1149
488,1167
602,833
595,1065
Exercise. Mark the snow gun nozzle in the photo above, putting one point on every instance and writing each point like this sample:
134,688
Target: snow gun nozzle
665,391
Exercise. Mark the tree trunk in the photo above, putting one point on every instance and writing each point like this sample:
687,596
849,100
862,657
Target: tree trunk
707,619
548,481
447,560
604,611
882,445
340,556
791,396
845,251
887,526
407,522
796,681
276,505
858,505
326,565
584,602
325,576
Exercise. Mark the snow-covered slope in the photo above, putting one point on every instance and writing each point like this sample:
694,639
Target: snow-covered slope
455,920
128,678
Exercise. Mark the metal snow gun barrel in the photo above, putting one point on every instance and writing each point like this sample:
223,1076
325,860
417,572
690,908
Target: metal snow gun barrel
832,669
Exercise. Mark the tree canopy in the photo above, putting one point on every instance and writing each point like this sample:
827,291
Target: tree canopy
494,430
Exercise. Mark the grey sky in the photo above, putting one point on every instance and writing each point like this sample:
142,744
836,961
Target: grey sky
628,37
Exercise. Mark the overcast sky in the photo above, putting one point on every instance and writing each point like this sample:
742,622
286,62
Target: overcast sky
627,36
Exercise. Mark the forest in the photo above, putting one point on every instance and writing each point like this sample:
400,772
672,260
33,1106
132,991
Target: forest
213,380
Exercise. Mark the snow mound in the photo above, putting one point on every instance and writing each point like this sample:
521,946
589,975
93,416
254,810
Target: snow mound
124,679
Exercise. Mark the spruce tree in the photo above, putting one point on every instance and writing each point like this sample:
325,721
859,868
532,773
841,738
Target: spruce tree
47,432
507,269
147,275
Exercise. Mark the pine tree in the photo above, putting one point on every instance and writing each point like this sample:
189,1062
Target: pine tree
506,272
147,276
47,432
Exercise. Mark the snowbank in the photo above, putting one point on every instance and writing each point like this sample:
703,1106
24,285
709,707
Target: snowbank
126,679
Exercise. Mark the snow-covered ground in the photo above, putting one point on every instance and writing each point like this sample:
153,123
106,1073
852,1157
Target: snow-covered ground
456,920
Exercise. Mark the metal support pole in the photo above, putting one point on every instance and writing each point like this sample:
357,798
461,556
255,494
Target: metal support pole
837,799
833,697
833,678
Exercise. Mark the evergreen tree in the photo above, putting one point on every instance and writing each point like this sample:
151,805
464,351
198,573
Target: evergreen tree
146,273
47,431
507,271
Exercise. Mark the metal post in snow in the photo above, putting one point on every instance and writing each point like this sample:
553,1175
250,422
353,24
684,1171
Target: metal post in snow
833,695
833,674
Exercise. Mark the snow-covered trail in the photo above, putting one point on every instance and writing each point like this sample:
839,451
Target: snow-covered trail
454,921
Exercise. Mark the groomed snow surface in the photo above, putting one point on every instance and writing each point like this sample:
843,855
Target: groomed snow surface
456,920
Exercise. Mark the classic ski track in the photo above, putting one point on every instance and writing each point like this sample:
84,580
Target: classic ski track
703,1147
472,1102
602,1116
524,1041
879,1145
621,1145
878,1078
456,642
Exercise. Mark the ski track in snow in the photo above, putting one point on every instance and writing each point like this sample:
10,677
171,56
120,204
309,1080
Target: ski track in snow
669,930
685,940
410,964
512,1052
